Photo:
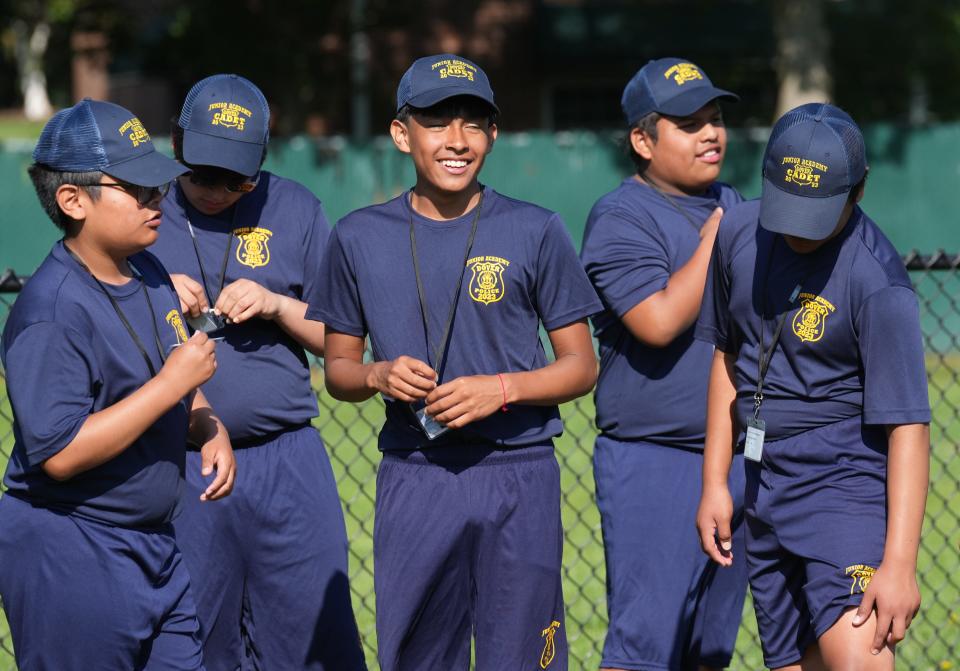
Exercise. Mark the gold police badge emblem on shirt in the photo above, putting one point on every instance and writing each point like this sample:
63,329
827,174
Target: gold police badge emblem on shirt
810,321
486,279
176,323
252,247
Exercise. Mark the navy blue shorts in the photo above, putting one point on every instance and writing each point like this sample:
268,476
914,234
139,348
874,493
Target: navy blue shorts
669,606
269,562
816,527
468,539
83,595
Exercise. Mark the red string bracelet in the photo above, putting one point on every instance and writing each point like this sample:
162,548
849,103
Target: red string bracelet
503,408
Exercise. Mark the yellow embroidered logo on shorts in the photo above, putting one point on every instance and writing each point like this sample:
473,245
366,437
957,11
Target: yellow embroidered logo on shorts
252,249
135,132
803,171
229,115
810,320
683,73
861,575
486,281
454,68
549,648
176,323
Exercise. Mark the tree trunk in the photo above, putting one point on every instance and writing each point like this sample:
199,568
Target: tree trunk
803,53
30,46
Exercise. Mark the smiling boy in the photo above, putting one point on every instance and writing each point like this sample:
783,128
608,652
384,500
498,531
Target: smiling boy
646,249
451,282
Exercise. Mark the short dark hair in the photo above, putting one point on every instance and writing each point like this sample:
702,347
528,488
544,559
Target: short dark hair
176,136
648,125
455,106
46,181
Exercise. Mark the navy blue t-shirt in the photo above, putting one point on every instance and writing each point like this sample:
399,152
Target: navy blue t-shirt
277,235
522,270
67,355
851,342
635,239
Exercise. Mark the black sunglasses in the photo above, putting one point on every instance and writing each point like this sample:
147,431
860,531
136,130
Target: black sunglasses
143,194
212,178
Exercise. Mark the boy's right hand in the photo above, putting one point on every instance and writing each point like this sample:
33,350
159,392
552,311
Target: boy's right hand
404,379
713,522
712,224
193,299
190,364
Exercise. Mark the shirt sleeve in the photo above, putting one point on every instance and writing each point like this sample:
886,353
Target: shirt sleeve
563,292
50,382
335,299
891,349
626,260
714,325
313,252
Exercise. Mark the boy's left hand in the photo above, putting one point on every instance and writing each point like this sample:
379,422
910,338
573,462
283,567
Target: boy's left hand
217,455
244,299
894,593
464,400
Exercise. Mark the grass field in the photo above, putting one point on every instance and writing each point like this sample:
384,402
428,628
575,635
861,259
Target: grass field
350,433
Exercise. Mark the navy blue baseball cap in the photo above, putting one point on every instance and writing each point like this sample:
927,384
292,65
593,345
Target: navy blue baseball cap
814,158
434,78
96,135
226,123
671,86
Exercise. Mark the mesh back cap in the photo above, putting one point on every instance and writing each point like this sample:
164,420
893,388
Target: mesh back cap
814,158
96,135
226,123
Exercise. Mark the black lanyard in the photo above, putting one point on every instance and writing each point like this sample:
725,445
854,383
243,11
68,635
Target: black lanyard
764,356
226,255
675,204
441,349
123,317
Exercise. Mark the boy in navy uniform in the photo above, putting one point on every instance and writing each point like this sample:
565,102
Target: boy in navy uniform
451,282
102,382
819,362
242,244
646,249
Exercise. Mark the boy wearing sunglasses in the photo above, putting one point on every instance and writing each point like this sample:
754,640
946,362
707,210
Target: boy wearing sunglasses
103,384
244,247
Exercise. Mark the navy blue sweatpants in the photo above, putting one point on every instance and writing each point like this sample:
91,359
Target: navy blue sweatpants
468,540
670,607
269,563
82,595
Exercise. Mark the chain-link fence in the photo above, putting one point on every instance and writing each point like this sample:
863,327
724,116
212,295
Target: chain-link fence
934,639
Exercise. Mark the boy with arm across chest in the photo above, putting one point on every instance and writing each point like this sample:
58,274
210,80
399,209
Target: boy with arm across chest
646,249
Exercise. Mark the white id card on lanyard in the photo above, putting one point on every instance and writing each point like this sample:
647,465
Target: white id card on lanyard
753,443
756,427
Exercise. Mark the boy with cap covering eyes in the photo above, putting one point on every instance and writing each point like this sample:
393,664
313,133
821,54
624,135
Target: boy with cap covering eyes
103,385
244,245
451,281
646,249
820,360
